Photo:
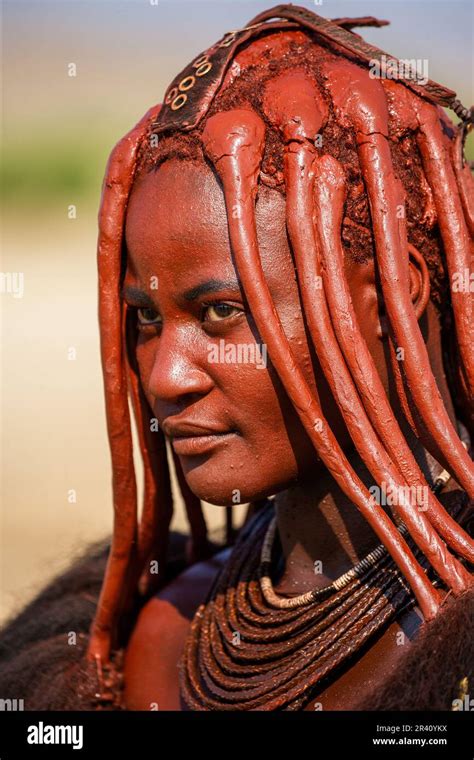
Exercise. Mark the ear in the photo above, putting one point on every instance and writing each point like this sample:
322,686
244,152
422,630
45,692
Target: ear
419,288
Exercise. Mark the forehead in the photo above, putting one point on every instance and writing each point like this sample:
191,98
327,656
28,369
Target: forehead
176,225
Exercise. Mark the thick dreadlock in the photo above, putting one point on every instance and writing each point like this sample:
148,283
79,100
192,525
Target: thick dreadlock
269,135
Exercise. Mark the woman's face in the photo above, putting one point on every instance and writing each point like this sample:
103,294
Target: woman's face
201,360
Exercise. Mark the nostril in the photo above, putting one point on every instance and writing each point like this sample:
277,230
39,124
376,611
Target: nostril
178,386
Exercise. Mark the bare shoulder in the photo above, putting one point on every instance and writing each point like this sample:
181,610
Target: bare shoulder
157,641
377,664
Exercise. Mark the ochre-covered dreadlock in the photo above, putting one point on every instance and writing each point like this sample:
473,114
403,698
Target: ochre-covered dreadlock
320,86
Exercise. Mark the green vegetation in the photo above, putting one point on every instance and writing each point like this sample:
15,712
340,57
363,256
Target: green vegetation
43,168
48,168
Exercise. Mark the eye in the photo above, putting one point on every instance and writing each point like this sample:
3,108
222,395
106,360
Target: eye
216,312
148,316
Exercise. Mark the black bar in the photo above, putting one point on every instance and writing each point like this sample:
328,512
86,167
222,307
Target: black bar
317,734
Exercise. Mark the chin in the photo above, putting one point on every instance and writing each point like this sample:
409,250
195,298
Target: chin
215,489
221,483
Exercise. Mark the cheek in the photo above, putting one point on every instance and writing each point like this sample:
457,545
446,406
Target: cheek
266,456
272,448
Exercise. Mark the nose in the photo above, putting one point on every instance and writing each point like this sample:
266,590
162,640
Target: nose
178,372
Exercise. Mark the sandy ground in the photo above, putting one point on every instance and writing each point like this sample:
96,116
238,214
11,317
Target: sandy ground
53,421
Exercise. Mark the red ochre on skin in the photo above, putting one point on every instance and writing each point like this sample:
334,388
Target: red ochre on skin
176,378
163,620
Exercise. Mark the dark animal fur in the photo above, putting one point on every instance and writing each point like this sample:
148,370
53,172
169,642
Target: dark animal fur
441,657
37,664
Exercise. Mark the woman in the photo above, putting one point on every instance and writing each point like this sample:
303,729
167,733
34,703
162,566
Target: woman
281,258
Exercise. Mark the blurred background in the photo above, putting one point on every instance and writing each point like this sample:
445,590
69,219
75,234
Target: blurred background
57,132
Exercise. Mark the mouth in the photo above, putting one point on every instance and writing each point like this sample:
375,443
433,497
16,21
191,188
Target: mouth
192,445
190,439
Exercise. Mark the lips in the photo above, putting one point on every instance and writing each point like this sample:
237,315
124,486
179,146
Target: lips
190,439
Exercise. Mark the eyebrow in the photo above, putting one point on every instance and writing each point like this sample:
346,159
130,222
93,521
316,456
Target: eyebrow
138,297
210,286
142,299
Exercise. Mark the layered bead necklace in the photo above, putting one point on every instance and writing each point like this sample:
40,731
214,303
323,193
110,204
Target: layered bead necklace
251,649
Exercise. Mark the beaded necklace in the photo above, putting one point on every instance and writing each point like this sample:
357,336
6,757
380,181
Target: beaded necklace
251,649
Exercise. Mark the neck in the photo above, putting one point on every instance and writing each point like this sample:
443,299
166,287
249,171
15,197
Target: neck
322,533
